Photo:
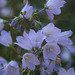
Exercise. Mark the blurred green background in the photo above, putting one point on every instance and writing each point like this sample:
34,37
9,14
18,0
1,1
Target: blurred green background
65,21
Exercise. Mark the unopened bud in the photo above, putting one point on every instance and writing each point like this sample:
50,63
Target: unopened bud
24,1
58,61
18,50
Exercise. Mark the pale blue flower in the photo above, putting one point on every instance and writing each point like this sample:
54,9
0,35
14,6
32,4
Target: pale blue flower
70,71
36,37
51,67
24,41
66,55
32,39
54,34
2,62
5,38
1,24
51,50
11,68
28,9
3,3
29,60
63,38
51,32
54,7
7,12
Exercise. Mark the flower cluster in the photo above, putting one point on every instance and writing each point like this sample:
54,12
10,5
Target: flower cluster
40,48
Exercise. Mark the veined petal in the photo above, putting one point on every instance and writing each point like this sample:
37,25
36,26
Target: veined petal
5,38
29,60
12,68
51,16
71,71
51,50
62,71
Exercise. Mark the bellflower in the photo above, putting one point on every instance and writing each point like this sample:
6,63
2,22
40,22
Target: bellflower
1,24
12,68
51,32
24,41
33,39
29,60
36,37
28,9
51,67
66,55
46,62
3,62
3,3
54,7
64,38
70,71
54,34
7,12
51,50
5,38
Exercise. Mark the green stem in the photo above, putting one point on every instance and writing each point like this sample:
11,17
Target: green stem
23,71
41,10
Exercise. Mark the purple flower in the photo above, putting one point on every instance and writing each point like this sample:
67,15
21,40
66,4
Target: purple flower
2,62
20,27
70,71
3,3
51,32
54,7
5,38
33,39
14,23
36,37
12,68
51,50
51,67
1,24
28,9
54,34
63,38
24,41
29,60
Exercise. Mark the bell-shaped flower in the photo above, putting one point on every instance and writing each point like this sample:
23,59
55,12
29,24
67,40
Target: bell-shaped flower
11,68
3,62
36,37
51,50
54,7
1,24
3,3
5,38
70,71
51,32
28,11
63,38
51,67
33,39
29,60
24,41
54,34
